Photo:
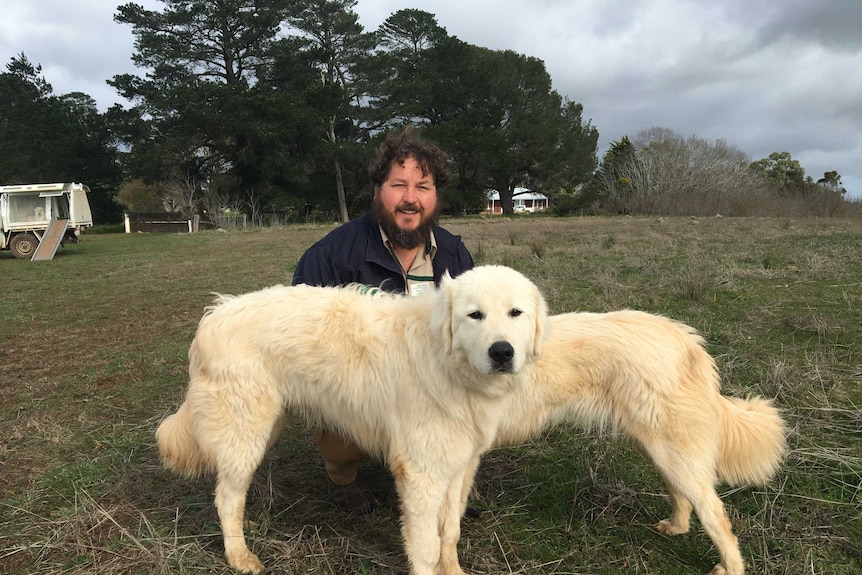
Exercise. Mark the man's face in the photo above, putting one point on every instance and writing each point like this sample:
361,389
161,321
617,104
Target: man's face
405,205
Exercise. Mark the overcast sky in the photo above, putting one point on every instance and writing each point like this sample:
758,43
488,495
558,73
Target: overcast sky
764,75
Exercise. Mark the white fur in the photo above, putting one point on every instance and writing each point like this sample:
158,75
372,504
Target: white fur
409,379
650,378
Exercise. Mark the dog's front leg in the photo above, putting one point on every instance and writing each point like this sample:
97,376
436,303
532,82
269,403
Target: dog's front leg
450,519
422,499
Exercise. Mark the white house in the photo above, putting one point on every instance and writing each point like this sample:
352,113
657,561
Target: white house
523,200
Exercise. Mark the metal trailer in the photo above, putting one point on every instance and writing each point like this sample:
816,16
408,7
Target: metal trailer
35,214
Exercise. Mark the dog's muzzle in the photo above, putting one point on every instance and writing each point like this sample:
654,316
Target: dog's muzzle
501,354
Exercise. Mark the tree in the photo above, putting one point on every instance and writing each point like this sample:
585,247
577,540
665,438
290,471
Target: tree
574,159
618,172
524,121
48,138
137,196
337,46
782,174
662,172
200,112
831,182
83,149
411,32
409,75
678,167
24,110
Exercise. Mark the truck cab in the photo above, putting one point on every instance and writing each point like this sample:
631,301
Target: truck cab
27,210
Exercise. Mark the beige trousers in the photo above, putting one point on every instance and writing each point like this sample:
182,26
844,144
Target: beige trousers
340,456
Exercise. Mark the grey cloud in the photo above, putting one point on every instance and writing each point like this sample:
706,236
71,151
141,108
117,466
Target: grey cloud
834,24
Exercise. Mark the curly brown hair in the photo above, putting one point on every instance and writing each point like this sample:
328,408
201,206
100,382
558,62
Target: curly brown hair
398,146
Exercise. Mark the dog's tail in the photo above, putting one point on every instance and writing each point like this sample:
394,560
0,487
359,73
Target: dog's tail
178,446
753,441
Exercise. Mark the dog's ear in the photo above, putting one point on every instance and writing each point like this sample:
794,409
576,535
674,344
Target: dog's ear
442,315
543,324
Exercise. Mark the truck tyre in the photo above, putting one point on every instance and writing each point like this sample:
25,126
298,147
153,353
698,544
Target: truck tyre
23,245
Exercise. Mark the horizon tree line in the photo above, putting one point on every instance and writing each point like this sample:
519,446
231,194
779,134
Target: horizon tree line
275,107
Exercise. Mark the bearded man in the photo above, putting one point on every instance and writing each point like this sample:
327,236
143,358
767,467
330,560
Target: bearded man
398,247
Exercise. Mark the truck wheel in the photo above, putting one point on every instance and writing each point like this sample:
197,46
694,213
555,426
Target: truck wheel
23,245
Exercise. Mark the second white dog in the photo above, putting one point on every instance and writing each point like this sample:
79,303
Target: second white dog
650,378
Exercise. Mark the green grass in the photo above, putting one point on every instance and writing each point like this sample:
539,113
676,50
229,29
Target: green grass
95,355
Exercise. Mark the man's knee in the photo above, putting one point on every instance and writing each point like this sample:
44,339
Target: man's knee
341,457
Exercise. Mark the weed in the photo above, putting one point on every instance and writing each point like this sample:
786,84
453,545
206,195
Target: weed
538,245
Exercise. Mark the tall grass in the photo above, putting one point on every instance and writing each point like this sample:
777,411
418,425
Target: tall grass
95,355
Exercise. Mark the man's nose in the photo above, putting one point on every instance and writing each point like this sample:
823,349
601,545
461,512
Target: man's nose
410,194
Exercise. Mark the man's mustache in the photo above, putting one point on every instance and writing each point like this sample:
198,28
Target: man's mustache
409,208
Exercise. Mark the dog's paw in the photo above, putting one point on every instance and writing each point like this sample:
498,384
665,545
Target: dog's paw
720,569
668,527
245,562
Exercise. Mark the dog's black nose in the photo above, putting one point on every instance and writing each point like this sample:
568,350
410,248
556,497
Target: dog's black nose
501,352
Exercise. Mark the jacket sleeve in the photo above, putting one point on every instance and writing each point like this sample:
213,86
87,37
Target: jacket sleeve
316,268
463,261
457,260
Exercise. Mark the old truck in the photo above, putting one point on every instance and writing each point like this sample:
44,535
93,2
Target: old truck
30,213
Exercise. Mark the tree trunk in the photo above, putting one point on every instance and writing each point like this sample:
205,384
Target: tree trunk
506,190
339,186
339,179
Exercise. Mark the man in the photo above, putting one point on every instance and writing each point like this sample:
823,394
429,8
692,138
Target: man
398,247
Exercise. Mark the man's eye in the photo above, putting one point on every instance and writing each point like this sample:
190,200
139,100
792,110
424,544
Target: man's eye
476,315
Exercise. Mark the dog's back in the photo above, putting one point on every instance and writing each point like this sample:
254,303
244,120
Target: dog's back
332,344
610,371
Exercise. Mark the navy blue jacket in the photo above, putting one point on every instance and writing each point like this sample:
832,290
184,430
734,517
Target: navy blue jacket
354,252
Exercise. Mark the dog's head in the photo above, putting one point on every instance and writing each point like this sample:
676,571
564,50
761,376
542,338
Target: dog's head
493,317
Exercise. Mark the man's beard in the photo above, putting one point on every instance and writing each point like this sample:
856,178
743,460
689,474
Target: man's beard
407,239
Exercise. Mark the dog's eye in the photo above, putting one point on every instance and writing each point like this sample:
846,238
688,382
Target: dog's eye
476,315
515,312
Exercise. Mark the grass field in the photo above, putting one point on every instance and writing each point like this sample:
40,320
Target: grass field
94,355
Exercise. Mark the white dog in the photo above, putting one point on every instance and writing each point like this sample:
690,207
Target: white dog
650,378
421,381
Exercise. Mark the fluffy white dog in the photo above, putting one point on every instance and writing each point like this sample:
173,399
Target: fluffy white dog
422,382
650,378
